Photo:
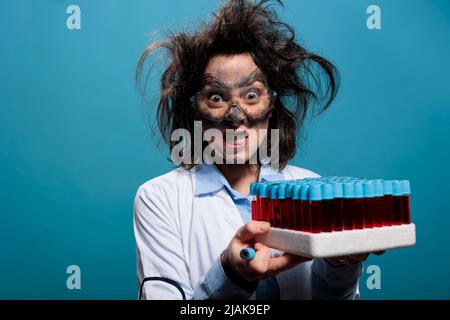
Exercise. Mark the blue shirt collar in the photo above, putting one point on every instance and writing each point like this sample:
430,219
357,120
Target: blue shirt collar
209,179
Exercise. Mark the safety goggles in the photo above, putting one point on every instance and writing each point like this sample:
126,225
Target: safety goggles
252,103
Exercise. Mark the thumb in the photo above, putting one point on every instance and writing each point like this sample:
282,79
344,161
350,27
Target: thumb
252,229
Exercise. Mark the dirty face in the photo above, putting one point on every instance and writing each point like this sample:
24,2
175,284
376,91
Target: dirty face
235,100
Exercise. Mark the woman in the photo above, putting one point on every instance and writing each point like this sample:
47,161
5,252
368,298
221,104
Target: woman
244,77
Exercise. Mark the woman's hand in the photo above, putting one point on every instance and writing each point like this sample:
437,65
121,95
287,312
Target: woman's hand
351,260
263,265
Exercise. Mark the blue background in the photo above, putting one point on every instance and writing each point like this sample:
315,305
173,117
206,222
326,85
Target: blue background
75,142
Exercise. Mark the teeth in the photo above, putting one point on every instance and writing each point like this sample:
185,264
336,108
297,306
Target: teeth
236,135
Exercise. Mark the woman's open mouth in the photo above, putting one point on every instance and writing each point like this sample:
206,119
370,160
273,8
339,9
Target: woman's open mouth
236,139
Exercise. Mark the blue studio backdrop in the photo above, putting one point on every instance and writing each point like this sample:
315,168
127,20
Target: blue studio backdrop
75,142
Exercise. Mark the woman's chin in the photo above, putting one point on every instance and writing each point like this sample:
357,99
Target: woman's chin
239,158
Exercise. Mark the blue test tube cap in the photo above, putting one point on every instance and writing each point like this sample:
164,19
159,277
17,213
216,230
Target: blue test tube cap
263,190
338,190
273,191
387,186
316,192
327,191
406,187
358,189
304,193
296,191
368,189
253,187
397,188
282,191
378,188
289,189
247,254
348,190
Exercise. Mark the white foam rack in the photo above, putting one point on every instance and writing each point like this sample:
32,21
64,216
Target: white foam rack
339,243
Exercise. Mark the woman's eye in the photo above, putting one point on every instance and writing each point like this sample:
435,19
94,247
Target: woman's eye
215,98
252,95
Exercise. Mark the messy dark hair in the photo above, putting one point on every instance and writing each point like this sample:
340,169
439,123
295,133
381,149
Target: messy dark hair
306,83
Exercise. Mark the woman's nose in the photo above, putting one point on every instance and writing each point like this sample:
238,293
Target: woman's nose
235,115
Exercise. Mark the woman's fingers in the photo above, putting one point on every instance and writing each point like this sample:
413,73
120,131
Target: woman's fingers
359,257
284,262
263,265
252,229
262,257
348,260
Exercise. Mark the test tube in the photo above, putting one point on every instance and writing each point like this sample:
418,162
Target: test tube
378,203
316,207
388,214
327,207
406,202
283,205
338,207
306,207
348,205
266,204
369,193
291,206
298,208
275,212
397,192
252,194
358,205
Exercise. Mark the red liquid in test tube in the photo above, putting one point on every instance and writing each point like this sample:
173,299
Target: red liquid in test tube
388,201
378,208
295,207
388,217
406,209
307,215
338,214
254,210
264,209
292,223
406,202
378,204
284,214
398,210
258,208
275,205
305,204
369,213
316,208
265,204
299,215
397,202
337,207
292,214
316,213
358,213
275,213
348,205
369,193
283,203
358,206
327,207
327,215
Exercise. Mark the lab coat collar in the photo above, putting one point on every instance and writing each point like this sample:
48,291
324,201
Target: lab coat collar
209,179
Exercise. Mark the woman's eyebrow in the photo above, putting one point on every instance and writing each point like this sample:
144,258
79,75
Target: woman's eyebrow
254,76
213,80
